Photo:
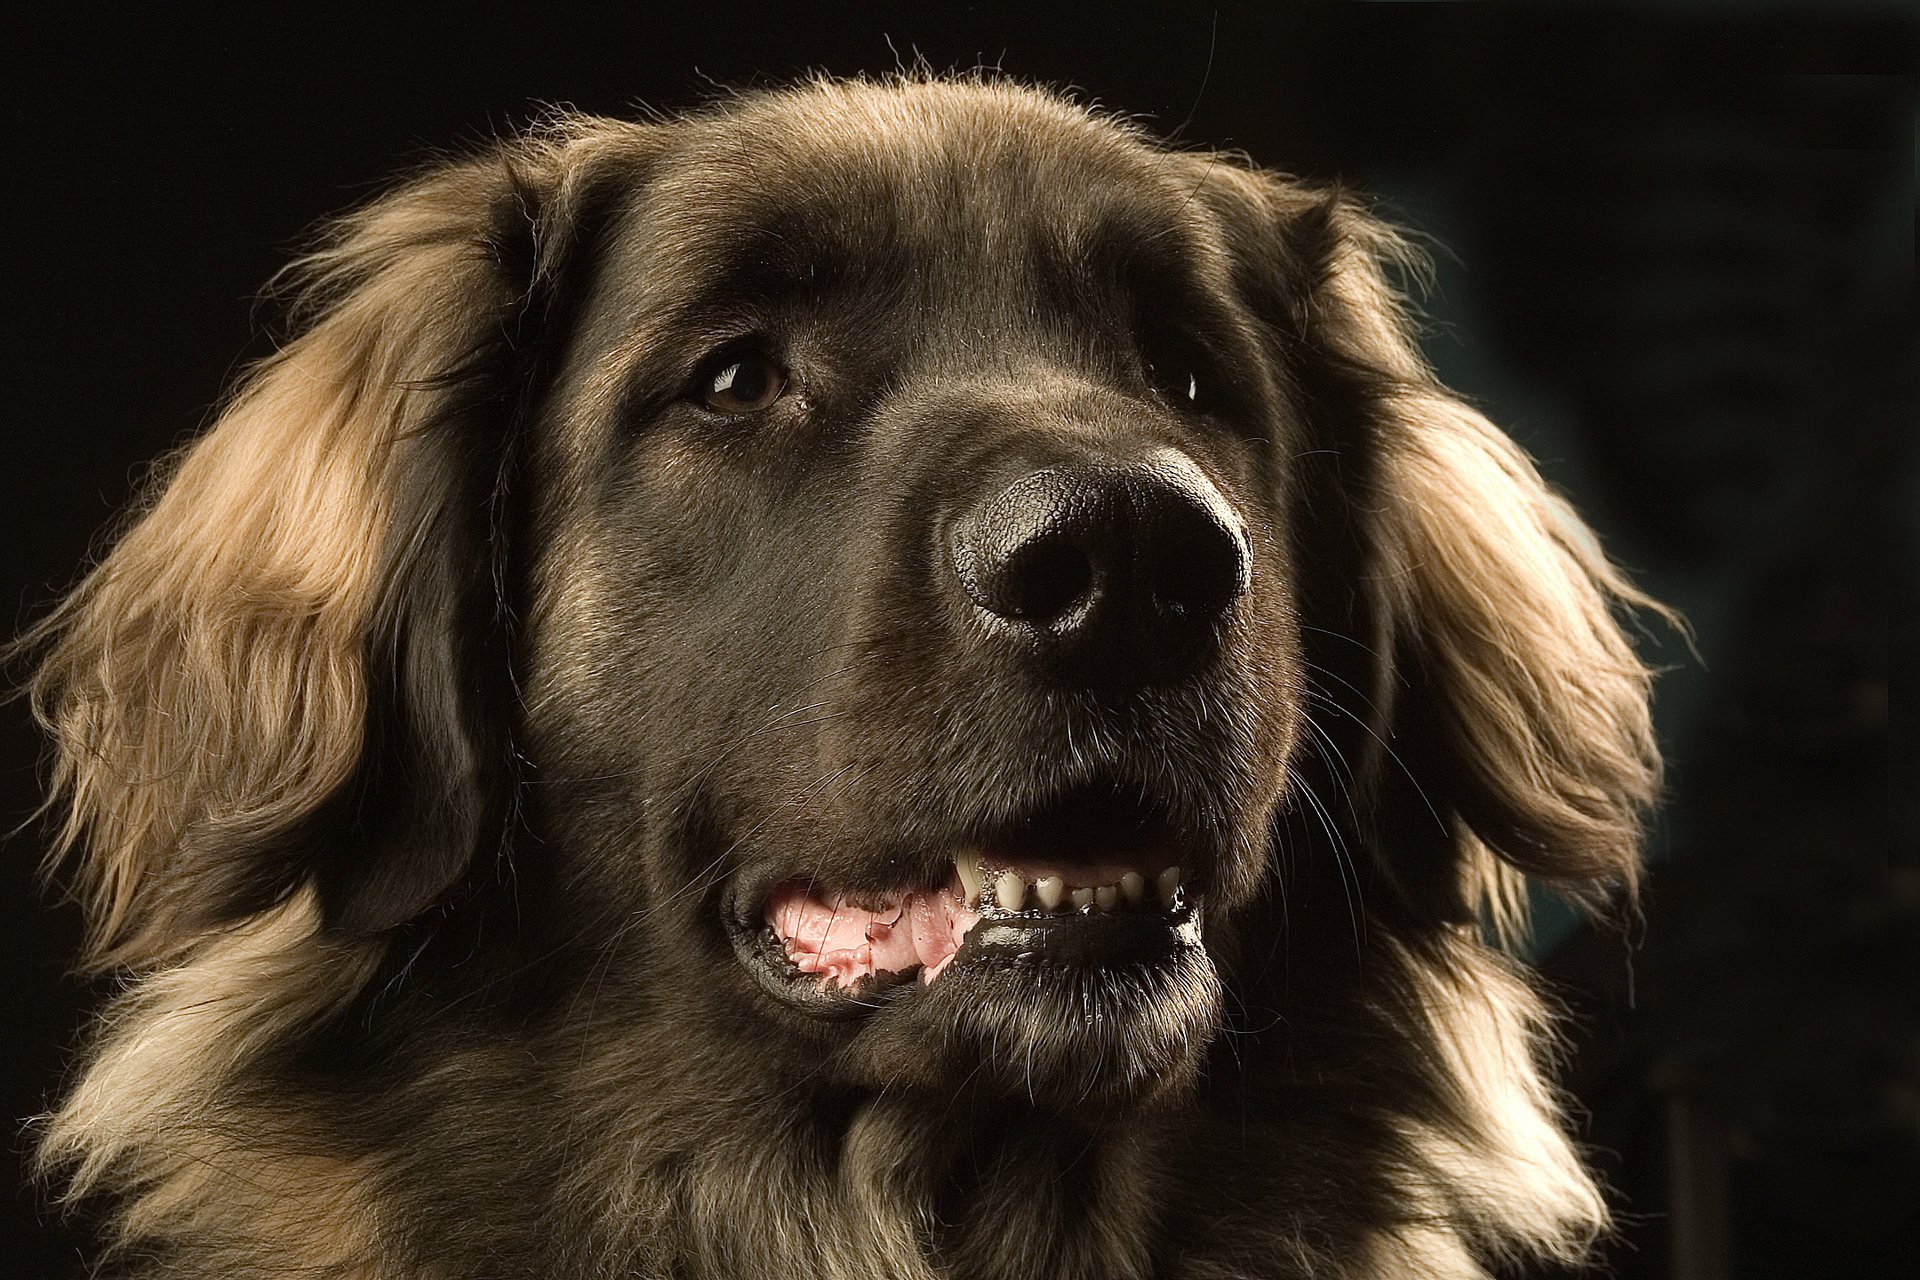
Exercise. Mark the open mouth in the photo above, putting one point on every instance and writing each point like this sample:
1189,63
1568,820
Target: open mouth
1068,911
1035,898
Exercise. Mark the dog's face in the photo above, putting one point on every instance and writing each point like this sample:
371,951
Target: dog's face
849,631
914,577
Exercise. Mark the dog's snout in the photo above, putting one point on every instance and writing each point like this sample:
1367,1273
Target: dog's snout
1118,574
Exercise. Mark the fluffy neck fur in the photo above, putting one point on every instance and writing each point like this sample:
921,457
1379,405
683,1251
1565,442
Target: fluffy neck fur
1285,1163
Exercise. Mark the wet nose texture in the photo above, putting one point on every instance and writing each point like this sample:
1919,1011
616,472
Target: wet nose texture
1114,575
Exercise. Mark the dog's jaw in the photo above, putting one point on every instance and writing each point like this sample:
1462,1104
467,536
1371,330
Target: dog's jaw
1033,968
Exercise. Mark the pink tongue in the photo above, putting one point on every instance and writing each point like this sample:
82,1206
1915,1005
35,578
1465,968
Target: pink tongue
844,943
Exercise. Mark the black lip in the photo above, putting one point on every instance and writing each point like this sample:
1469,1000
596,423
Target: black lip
1031,940
1122,819
764,956
1082,941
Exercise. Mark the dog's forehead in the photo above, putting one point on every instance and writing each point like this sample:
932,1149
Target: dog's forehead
904,172
924,131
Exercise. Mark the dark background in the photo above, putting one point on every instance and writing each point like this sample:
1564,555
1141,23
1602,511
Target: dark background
1677,262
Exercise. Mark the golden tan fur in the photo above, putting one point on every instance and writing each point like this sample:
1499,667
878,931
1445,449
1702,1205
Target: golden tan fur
211,684
209,678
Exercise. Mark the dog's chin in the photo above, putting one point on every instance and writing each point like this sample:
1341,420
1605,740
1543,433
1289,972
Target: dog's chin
1016,1017
1088,1009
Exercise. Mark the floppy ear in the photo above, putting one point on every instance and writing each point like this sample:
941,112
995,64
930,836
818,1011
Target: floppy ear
1499,713
295,666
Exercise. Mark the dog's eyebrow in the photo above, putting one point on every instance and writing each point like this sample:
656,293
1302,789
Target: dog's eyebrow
778,261
1143,246
724,277
1162,265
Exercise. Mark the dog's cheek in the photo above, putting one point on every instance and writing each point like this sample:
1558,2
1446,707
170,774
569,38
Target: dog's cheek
681,605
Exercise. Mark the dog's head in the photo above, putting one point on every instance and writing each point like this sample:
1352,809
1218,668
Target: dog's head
920,567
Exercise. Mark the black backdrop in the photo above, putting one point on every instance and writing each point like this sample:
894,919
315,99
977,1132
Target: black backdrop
1677,264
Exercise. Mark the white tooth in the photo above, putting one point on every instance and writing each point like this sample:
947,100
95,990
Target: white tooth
1010,891
1106,897
1049,890
1133,887
969,868
1081,898
1167,886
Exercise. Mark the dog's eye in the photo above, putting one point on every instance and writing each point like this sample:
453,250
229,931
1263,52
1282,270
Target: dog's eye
742,383
1178,383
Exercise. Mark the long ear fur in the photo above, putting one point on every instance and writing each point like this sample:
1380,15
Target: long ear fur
282,674
1471,690
1527,701
1499,722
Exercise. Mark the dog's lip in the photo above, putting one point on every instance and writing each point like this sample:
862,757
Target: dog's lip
1082,858
1101,871
1032,938
1081,941
1021,941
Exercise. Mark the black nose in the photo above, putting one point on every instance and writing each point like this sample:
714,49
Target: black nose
1115,574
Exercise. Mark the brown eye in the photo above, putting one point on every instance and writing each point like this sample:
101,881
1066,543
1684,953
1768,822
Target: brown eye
743,384
1178,383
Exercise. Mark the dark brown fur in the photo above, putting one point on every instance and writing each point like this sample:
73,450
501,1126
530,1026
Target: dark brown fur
415,739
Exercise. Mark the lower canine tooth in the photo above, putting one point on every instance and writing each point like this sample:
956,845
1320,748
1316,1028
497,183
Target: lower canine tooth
1082,899
1106,896
1049,890
1167,887
1133,887
1010,891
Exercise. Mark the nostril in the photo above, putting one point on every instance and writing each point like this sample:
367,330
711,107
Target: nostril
1041,548
1196,574
1043,579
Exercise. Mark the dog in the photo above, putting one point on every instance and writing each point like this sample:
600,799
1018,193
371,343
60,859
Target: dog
884,679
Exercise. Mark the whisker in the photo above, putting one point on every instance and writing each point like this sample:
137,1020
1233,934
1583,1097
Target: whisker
1343,860
1316,696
